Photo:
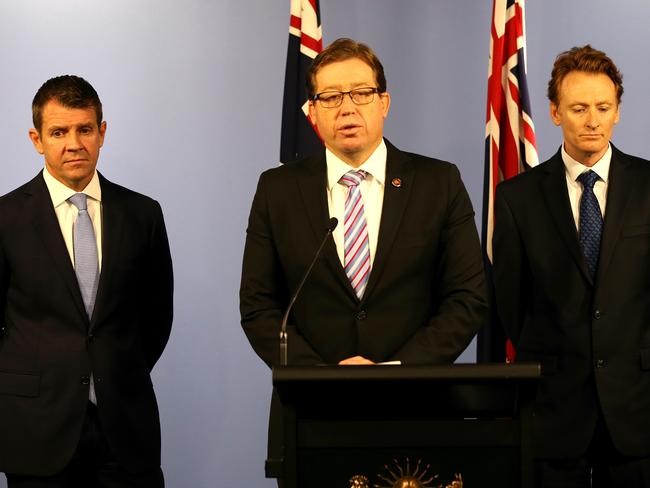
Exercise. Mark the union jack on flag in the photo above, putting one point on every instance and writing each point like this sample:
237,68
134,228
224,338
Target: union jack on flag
510,146
299,136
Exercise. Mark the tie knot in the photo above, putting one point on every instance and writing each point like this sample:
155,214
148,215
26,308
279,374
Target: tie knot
353,178
79,200
588,179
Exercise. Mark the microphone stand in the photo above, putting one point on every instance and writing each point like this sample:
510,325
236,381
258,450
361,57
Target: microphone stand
283,328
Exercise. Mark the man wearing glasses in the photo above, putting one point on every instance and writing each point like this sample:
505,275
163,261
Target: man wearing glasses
402,279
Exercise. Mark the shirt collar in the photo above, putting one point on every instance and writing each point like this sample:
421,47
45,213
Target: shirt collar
375,166
59,193
575,168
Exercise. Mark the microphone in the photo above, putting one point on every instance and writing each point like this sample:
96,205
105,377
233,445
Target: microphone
283,328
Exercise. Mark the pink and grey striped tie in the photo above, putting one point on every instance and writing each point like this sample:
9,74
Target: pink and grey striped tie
357,248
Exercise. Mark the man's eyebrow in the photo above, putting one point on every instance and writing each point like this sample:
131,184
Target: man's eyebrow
338,86
331,88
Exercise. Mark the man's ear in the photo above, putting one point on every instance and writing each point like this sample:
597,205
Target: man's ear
35,137
385,103
312,112
102,133
555,115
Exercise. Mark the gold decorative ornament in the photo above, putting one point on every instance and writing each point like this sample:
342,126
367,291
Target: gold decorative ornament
359,481
400,477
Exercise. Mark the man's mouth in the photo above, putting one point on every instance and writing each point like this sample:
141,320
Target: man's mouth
349,128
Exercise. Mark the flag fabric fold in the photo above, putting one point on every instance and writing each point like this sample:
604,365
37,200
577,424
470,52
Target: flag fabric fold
299,137
510,146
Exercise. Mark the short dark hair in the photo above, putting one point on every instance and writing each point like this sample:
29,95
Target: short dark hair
341,50
70,91
585,59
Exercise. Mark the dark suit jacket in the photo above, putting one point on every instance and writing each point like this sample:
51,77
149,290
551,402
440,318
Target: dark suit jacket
49,347
592,337
425,298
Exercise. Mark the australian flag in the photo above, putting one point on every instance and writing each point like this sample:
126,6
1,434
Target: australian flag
510,146
299,137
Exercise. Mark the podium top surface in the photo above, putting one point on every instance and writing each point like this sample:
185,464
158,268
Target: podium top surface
485,372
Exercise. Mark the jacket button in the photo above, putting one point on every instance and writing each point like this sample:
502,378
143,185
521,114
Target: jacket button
597,314
85,380
90,337
601,363
361,315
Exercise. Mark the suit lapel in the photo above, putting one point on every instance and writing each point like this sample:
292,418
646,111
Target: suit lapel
556,195
311,179
112,226
395,201
620,185
46,226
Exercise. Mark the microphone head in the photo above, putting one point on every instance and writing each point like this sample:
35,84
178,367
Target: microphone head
332,224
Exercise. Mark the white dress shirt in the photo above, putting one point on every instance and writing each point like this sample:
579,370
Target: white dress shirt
573,169
66,212
372,192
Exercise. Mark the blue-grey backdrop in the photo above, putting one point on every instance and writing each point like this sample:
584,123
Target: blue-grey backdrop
192,92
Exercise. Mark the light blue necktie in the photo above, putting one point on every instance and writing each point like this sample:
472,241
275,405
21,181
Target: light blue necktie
86,263
591,221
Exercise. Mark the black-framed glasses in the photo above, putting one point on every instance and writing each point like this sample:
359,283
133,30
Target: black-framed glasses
333,99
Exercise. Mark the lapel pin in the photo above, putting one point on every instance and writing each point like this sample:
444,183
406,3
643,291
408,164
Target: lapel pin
396,182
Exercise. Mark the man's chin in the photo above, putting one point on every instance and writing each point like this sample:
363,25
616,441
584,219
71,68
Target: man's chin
593,148
78,181
351,145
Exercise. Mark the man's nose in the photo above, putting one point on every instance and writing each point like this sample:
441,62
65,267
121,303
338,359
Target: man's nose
593,119
347,105
73,141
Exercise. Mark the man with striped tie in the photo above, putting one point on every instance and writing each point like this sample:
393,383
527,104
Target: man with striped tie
402,279
85,310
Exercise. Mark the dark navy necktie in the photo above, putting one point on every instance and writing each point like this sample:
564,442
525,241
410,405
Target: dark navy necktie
591,221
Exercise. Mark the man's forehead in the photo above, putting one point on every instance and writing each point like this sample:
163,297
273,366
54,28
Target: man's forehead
351,72
580,84
54,113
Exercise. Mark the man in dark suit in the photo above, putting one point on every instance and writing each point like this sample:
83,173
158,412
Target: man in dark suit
402,279
85,310
572,280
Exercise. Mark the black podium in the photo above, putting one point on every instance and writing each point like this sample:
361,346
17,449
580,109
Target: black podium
390,424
